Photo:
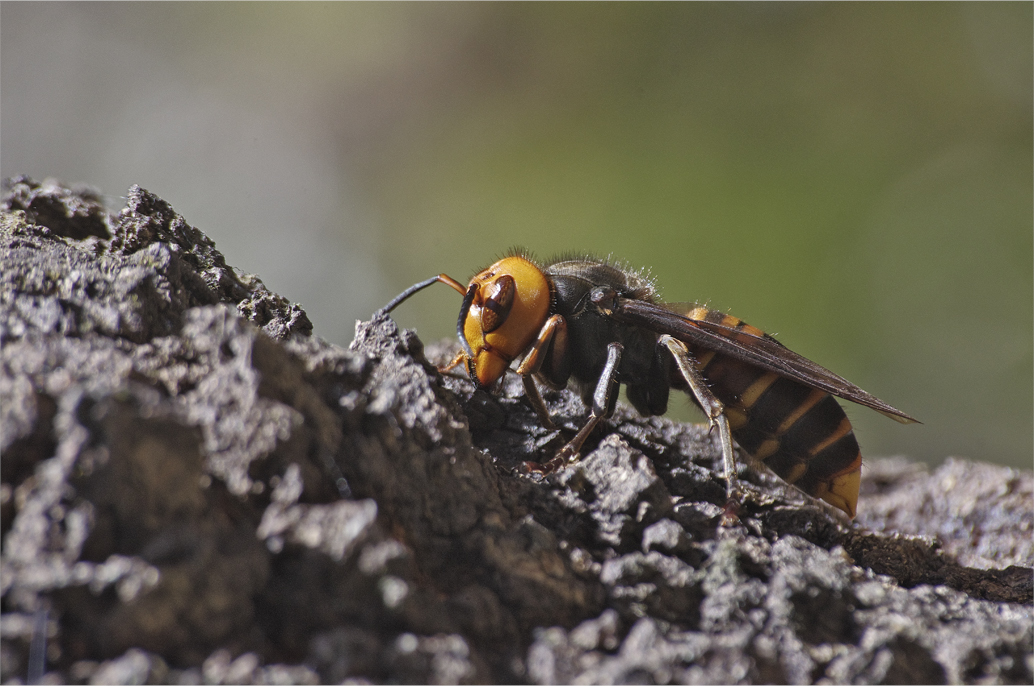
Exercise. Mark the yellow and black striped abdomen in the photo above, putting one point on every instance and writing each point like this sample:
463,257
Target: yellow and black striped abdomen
800,433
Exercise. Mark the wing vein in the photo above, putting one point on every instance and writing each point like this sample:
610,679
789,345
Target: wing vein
763,352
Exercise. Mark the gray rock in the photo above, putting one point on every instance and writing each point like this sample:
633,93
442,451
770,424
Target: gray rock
195,489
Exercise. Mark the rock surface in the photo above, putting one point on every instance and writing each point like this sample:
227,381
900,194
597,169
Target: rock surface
196,490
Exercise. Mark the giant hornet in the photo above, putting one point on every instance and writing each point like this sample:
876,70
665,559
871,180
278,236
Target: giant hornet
601,324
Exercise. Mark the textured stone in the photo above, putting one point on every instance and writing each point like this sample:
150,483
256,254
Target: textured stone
195,489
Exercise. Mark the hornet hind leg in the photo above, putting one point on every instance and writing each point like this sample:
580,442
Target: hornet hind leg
713,408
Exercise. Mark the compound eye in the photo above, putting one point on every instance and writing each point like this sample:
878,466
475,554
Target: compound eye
498,302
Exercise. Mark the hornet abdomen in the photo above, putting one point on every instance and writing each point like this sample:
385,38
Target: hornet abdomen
801,433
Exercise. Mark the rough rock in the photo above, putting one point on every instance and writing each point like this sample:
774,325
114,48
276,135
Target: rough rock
195,490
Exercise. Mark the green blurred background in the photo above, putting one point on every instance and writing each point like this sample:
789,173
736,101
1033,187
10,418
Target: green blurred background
856,178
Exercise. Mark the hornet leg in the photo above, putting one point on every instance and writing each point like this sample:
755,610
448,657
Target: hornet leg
606,387
555,327
712,406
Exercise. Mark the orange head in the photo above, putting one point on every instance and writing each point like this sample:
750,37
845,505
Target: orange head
503,311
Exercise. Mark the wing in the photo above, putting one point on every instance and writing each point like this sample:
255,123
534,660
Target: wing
762,352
